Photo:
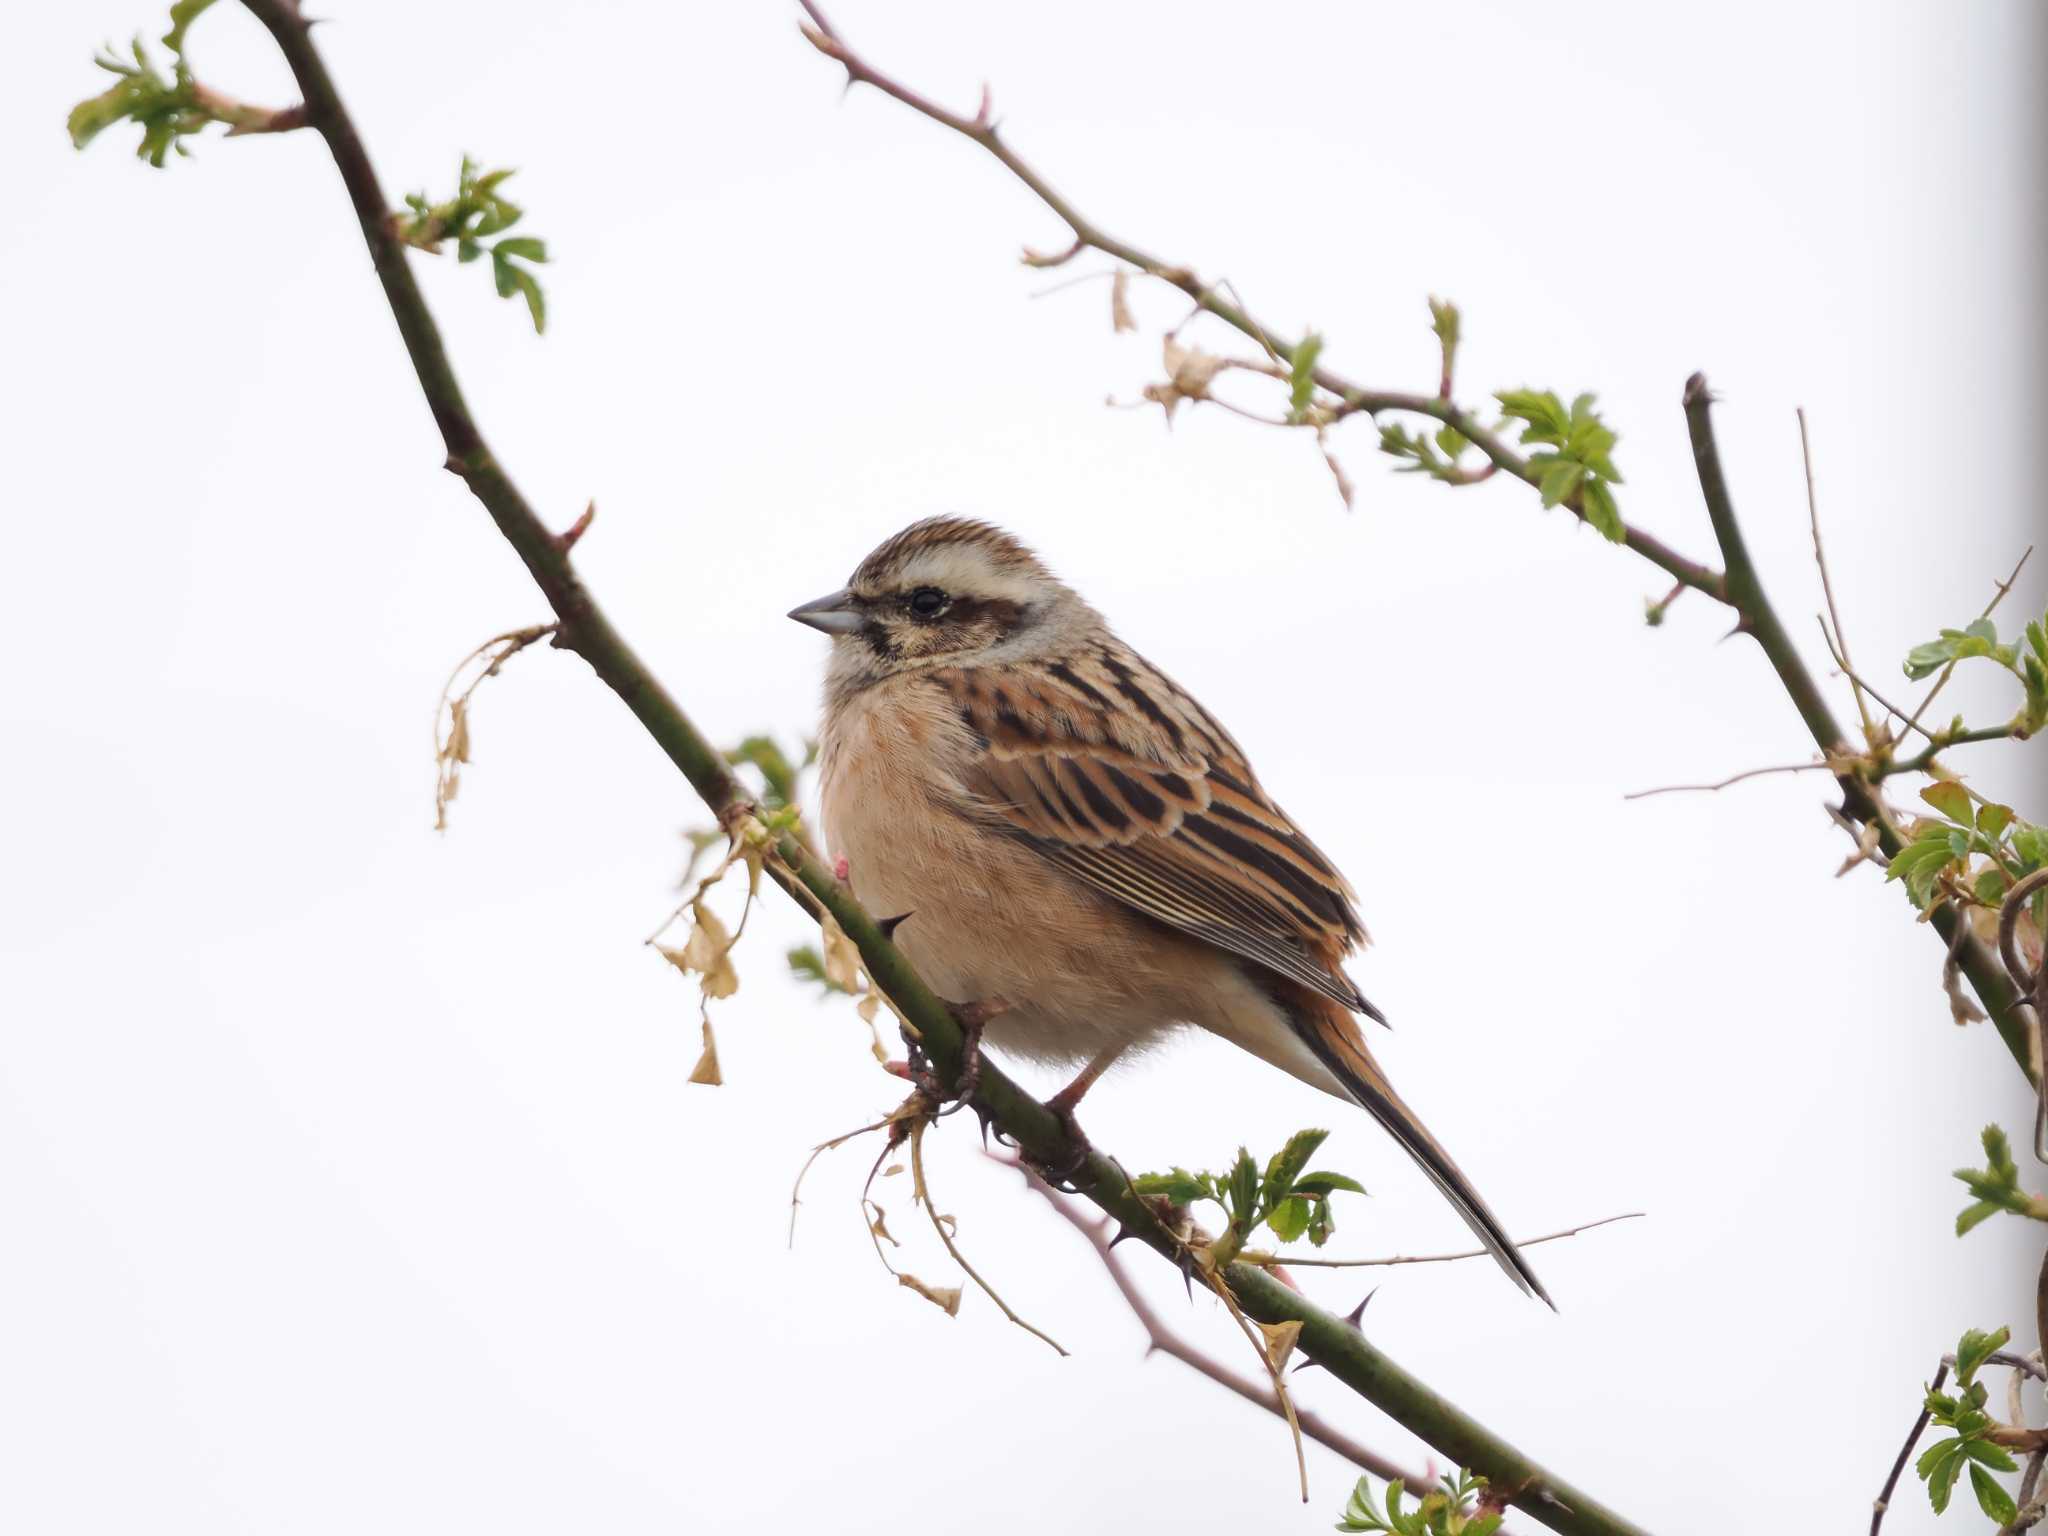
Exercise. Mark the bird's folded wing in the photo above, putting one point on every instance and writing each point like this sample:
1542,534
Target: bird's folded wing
1113,773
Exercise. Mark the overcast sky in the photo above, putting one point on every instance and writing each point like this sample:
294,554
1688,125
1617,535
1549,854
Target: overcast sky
350,1174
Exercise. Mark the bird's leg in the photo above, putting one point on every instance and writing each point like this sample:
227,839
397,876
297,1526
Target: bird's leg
1062,1105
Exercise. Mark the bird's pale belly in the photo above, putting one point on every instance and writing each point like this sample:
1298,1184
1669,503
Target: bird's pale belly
987,917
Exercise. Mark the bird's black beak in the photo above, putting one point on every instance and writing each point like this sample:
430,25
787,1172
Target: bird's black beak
835,613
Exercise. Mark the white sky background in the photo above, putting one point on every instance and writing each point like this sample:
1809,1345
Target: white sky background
349,1174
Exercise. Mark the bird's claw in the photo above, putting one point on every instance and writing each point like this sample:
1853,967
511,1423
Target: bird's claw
973,1019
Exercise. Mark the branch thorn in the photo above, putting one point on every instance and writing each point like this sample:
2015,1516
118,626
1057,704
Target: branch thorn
566,540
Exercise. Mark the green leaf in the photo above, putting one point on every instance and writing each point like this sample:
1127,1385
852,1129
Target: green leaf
1975,1348
1301,382
1940,1466
536,305
1601,510
1952,800
1992,820
1918,864
1975,1215
1286,1164
1178,1185
1979,639
1289,1219
1990,1455
183,14
1992,1498
1321,1183
1560,478
93,116
1243,1188
526,247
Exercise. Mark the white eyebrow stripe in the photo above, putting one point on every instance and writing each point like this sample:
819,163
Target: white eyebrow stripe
966,572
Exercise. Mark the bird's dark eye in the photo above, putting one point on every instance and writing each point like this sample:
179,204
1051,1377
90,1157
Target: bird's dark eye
926,602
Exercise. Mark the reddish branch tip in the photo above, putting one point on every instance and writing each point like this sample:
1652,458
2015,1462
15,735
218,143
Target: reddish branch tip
841,870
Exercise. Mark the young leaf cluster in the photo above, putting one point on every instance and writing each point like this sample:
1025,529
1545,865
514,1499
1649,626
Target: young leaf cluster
1301,378
1286,1200
167,111
1450,1509
1577,463
1962,1411
1434,454
2026,657
1940,860
1996,1186
476,212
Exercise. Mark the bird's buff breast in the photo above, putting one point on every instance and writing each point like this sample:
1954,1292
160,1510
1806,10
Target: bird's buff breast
987,916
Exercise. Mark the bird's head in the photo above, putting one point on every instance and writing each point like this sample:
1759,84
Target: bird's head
948,591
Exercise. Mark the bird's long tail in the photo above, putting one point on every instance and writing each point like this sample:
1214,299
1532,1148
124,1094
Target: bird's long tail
1330,1032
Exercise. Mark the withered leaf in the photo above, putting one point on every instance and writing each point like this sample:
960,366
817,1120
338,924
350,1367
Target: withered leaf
944,1297
706,1070
1280,1341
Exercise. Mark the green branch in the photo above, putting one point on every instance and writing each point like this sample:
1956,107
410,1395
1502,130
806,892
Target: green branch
1758,619
584,629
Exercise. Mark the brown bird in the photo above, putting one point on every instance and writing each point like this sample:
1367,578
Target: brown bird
1067,829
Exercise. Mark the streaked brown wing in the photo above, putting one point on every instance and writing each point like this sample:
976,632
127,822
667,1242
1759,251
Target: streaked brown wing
1109,770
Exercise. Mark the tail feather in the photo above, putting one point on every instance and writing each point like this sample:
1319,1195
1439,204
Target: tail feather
1333,1037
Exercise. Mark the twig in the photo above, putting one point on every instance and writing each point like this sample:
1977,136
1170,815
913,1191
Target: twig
1297,1261
2033,1507
1884,1494
1161,1339
922,1193
1827,585
823,36
834,1144
1733,778
2033,987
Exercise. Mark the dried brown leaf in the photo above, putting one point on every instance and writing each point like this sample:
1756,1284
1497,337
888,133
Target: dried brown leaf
706,1070
842,959
945,1297
1280,1340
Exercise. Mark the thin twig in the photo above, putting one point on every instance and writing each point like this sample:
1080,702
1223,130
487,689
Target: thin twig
921,1192
1827,585
1297,1261
823,36
1884,1494
1733,778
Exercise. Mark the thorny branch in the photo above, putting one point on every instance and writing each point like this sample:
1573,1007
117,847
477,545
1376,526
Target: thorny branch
1737,585
1883,1501
585,630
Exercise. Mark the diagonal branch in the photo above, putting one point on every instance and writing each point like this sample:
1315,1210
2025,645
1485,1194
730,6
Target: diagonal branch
585,630
1760,621
1163,1339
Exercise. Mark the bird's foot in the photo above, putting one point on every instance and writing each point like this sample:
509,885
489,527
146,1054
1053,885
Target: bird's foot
1061,1173
973,1020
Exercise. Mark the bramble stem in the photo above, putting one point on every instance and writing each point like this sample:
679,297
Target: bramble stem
1326,1338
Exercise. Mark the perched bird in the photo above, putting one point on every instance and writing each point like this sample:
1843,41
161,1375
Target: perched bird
1060,826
